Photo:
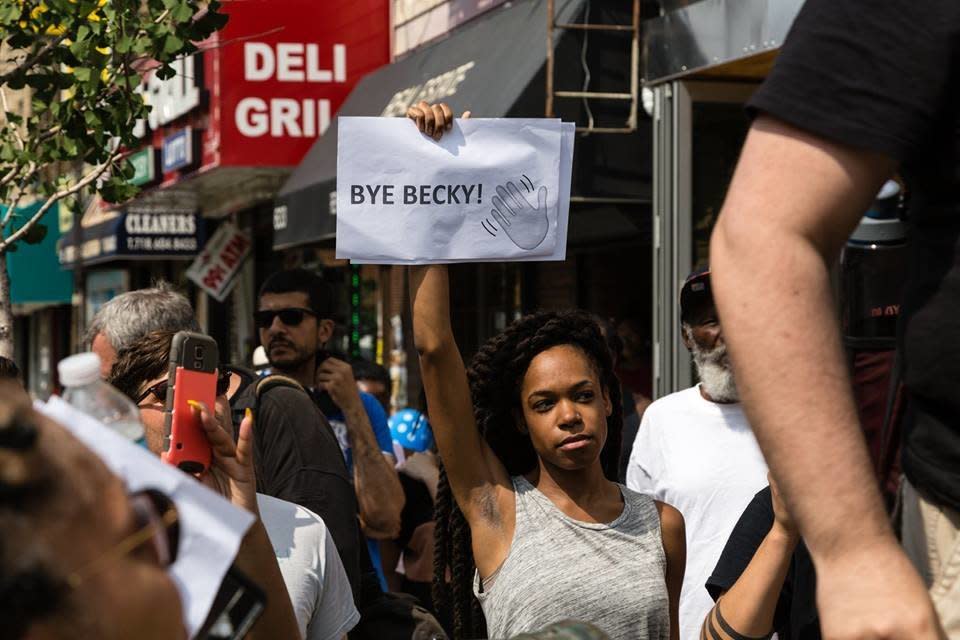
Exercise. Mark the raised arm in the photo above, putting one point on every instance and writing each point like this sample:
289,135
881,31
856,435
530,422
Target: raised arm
793,201
478,479
747,608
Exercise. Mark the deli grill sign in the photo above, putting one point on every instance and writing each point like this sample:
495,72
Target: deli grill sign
215,268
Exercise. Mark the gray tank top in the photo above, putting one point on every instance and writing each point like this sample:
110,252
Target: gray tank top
611,575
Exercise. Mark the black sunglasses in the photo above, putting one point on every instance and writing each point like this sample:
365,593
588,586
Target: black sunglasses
160,388
291,316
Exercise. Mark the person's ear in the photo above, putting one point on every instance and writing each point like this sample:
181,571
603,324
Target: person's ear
325,328
607,403
687,337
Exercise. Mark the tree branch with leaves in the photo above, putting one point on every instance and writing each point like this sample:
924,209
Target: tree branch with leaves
80,63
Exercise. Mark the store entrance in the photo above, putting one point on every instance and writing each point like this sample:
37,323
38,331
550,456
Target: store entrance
699,129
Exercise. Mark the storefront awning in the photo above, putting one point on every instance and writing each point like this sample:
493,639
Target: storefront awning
484,67
716,38
133,236
35,274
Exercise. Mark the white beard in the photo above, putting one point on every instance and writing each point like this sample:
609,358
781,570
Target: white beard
716,375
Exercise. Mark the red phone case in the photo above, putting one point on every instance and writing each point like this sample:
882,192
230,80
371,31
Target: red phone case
189,449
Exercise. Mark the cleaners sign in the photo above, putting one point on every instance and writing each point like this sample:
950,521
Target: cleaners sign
495,189
134,236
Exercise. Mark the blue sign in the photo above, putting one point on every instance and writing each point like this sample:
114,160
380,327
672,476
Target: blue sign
178,150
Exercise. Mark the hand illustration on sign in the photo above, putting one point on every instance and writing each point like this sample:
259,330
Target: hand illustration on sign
525,225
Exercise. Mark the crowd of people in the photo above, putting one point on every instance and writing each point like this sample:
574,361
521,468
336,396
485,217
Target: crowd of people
528,488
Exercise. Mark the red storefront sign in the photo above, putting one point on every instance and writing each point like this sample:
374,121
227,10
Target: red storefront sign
264,88
285,68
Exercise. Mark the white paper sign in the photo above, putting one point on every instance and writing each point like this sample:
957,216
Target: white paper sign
566,175
490,189
211,528
221,258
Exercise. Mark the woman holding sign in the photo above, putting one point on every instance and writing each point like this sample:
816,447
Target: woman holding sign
529,440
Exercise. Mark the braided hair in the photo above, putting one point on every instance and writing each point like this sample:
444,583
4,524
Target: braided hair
30,587
496,375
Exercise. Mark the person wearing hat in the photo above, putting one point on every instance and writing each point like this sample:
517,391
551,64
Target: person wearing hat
696,452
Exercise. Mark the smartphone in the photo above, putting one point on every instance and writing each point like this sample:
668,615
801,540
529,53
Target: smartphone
192,376
238,604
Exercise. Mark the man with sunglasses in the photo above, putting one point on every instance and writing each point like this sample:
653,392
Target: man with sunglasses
295,323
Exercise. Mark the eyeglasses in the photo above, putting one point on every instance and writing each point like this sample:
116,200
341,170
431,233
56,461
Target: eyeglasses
157,530
159,390
291,316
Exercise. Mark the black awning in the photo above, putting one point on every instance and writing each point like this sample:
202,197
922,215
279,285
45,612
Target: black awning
484,66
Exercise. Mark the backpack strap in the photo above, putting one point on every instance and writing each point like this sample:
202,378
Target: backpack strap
272,382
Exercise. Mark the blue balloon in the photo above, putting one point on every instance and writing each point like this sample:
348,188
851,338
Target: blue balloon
411,430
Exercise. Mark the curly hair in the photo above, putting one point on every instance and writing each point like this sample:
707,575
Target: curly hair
496,374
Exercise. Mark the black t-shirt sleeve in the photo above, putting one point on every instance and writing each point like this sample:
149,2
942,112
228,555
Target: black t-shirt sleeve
751,529
872,75
298,460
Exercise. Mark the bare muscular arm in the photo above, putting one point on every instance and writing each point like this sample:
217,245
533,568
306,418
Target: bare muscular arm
793,201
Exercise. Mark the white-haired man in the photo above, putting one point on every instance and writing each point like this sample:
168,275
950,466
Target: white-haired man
132,334
128,317
696,451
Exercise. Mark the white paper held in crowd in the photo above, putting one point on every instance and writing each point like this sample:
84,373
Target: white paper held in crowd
489,190
211,529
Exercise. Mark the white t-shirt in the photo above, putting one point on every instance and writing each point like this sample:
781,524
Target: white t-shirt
700,457
311,568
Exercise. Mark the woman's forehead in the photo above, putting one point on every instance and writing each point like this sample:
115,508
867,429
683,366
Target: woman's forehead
560,364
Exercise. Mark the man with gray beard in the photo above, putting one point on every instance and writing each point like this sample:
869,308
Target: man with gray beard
696,452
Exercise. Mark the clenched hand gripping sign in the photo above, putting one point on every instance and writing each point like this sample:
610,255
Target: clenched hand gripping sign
490,189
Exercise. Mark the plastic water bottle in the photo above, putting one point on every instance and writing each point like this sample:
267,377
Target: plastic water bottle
87,392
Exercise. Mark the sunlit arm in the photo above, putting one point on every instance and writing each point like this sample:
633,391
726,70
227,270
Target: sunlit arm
747,609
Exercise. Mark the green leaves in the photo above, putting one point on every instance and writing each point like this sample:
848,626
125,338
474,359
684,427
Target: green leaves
172,44
79,84
9,12
182,12
117,189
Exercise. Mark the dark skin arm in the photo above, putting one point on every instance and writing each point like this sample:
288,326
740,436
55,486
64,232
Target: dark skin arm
479,481
379,493
673,534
